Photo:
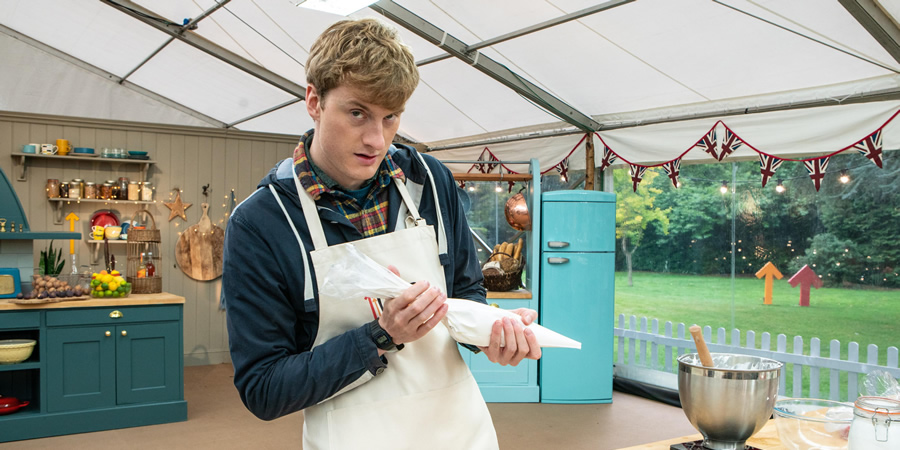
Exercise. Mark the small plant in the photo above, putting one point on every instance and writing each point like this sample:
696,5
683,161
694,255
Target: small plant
51,261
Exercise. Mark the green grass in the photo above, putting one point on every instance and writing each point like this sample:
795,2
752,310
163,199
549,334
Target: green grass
865,316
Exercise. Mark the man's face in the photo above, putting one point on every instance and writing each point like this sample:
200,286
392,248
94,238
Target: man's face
352,135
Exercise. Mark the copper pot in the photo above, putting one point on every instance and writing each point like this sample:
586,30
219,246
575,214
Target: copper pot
517,213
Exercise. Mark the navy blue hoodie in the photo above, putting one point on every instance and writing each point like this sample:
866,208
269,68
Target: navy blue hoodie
271,331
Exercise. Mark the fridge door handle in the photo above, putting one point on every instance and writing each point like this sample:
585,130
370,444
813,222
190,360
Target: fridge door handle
556,260
557,244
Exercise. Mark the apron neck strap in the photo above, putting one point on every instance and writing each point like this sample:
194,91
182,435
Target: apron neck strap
311,211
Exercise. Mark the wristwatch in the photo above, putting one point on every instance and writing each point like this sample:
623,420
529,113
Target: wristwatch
381,338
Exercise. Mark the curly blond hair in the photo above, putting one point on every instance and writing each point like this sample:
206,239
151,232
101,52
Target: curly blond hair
365,54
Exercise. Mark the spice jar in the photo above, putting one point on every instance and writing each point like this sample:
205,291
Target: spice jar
80,186
123,188
106,191
147,191
114,189
134,190
872,420
52,188
90,190
74,189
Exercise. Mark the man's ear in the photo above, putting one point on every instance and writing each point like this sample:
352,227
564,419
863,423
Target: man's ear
312,102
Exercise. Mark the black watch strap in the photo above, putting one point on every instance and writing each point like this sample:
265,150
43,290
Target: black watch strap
381,338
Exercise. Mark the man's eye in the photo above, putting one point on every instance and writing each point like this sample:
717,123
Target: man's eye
356,113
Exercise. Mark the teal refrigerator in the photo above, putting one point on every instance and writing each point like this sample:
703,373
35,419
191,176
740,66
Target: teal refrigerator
578,235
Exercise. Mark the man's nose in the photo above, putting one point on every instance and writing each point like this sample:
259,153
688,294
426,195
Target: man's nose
373,136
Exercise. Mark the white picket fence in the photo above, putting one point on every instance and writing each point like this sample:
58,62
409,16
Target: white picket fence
640,351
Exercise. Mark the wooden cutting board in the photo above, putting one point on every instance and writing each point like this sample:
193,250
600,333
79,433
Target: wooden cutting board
199,249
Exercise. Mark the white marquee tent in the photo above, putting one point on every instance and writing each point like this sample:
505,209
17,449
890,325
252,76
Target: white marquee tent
523,78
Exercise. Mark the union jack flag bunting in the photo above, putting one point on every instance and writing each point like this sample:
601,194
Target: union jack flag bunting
673,169
486,155
708,143
816,169
767,167
871,147
608,158
731,143
637,174
563,168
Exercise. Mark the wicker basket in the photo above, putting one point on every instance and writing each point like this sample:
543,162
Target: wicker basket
145,241
14,351
509,281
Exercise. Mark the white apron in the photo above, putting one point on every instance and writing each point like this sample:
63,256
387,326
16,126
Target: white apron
426,397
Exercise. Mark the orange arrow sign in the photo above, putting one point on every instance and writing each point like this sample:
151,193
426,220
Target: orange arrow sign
72,218
805,277
769,270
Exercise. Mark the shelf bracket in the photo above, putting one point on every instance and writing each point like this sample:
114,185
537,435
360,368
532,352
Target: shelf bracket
95,253
58,212
144,168
24,167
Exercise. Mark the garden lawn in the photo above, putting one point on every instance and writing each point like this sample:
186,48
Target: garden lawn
865,316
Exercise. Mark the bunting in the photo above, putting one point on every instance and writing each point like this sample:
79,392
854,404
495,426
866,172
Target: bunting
563,168
816,169
637,174
486,155
608,158
708,143
673,169
767,166
731,143
871,147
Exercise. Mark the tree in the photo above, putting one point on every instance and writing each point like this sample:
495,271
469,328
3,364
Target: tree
635,211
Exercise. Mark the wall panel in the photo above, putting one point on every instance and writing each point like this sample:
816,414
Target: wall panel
185,158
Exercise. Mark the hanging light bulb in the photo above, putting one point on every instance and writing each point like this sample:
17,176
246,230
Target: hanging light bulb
779,188
724,188
498,188
471,188
845,177
562,178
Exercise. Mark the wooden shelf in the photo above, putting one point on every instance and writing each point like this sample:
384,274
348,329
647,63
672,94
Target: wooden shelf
21,159
518,293
58,204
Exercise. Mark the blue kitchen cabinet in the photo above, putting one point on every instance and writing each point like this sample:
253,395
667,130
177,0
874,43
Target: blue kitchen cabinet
98,365
577,289
515,384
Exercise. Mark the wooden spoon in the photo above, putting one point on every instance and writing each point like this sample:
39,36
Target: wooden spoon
702,350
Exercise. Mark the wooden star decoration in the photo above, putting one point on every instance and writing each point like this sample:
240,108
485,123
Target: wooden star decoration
177,207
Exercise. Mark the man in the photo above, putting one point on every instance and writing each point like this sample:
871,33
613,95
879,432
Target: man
367,373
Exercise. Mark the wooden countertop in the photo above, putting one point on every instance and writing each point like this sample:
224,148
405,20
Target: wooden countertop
132,300
766,439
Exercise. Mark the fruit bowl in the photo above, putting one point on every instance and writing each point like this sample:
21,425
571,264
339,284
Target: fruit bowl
14,351
813,423
109,285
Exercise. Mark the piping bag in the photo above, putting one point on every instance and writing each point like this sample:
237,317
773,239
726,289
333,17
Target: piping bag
469,322
702,350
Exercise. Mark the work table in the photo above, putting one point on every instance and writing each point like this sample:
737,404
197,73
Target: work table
162,298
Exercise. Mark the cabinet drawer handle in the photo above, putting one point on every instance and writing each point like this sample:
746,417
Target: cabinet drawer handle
557,244
124,333
557,260
108,334
116,314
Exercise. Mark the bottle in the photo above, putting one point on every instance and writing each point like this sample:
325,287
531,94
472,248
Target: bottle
142,269
151,269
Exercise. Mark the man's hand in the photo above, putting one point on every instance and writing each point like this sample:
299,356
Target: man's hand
520,341
414,313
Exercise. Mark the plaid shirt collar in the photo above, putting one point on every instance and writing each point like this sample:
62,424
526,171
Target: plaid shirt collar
370,216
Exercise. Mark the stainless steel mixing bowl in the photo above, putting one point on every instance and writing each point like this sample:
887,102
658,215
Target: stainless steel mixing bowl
731,401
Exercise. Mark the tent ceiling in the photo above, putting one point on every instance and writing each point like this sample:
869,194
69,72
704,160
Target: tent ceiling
630,60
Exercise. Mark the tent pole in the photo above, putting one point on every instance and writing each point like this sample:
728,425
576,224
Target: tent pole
589,162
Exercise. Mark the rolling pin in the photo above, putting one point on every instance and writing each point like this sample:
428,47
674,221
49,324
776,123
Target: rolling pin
702,351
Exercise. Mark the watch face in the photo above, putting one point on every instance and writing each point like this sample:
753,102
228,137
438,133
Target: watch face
381,340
